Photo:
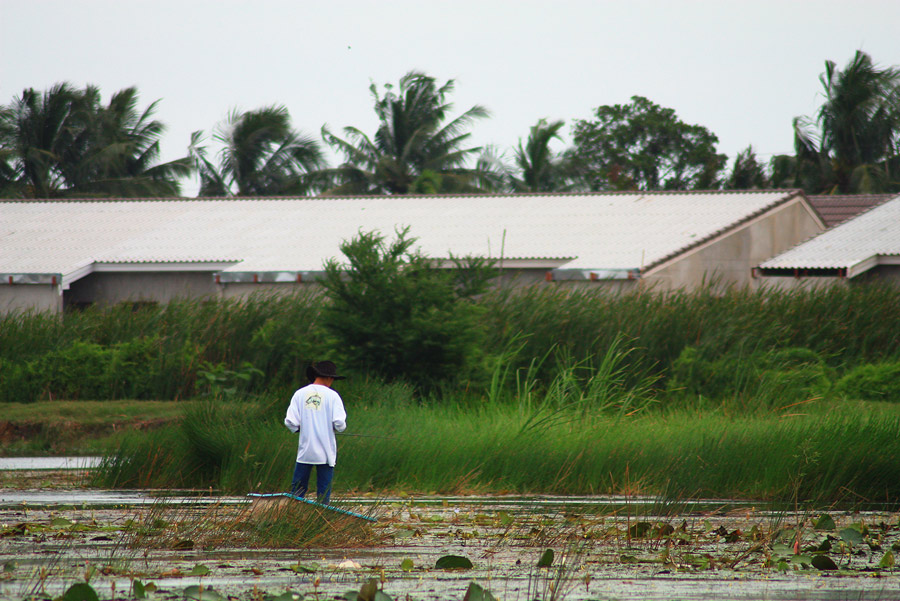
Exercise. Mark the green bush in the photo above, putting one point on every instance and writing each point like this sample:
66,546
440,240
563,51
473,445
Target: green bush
872,382
86,370
396,315
775,377
19,385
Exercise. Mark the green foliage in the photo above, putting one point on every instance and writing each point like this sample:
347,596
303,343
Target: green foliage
539,169
874,382
830,451
394,314
738,336
772,377
852,145
453,562
80,591
747,173
220,381
643,146
82,370
416,149
65,143
158,352
262,155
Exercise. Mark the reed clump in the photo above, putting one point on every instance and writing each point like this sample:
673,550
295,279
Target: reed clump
819,452
214,525
263,343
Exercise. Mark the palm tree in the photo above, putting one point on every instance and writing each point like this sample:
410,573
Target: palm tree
540,170
747,173
413,141
37,131
261,156
123,150
64,143
858,130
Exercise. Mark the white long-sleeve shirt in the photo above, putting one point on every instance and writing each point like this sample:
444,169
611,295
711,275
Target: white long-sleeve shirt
316,412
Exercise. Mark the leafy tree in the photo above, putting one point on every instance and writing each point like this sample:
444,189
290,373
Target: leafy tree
853,144
782,171
643,146
539,169
414,137
747,173
394,313
65,143
261,156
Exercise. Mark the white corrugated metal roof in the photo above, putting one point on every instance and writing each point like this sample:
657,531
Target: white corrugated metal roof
853,243
603,231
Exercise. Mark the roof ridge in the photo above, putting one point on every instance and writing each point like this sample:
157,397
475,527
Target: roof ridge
783,191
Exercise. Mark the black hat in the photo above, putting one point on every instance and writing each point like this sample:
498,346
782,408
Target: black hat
323,369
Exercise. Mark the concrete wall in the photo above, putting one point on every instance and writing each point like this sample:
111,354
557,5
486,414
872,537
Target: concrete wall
730,258
108,288
248,289
886,273
801,283
611,286
30,297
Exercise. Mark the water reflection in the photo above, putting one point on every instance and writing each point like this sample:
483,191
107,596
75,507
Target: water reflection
48,463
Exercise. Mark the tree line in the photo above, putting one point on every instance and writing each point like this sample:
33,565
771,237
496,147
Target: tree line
65,143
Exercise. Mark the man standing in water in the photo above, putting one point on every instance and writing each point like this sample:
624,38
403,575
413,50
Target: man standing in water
316,412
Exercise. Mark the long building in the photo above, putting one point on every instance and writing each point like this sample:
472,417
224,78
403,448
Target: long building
58,254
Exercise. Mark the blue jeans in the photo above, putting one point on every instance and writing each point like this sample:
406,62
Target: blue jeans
324,474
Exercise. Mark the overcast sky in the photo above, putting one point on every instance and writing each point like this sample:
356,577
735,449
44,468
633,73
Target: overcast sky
743,69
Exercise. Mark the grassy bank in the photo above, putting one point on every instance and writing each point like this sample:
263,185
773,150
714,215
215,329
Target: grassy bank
826,453
78,427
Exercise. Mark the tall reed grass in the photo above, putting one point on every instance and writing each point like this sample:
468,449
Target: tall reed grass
847,325
262,344
829,452
165,348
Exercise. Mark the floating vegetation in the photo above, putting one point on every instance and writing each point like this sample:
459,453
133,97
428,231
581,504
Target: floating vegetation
215,525
510,549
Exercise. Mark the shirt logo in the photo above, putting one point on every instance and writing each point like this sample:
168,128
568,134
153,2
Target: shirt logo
314,402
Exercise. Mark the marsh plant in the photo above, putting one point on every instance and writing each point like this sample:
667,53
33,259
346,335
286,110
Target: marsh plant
260,524
400,310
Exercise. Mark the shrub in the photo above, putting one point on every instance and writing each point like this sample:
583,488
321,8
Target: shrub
18,384
873,382
395,314
772,377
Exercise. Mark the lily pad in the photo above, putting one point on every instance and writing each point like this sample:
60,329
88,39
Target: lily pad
368,590
453,562
476,593
407,565
81,592
371,592
851,536
640,529
887,561
823,562
288,596
825,522
546,559
199,570
202,593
